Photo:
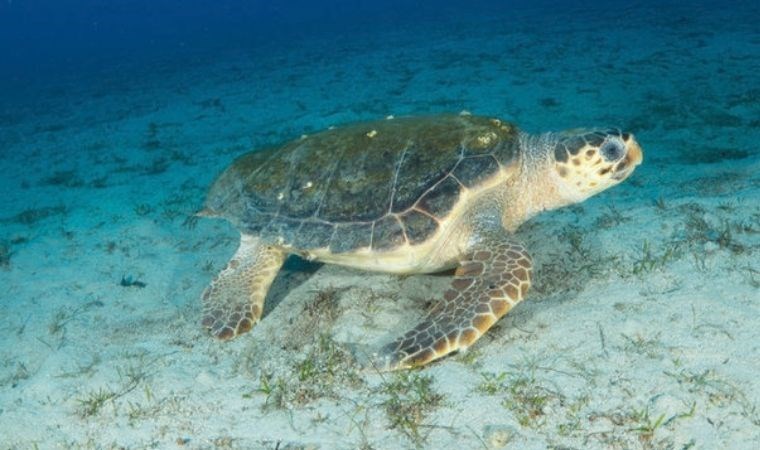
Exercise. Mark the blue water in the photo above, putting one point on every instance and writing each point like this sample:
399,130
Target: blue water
116,115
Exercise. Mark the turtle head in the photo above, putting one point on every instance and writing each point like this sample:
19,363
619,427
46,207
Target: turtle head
587,162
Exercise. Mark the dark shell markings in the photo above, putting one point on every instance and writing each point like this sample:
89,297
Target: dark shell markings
373,185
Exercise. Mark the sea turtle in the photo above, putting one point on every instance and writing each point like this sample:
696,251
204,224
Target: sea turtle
406,195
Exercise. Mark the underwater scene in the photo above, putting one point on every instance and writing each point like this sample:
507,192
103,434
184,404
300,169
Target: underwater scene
379,224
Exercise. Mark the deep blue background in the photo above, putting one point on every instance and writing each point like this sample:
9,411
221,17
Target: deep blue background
39,36
48,40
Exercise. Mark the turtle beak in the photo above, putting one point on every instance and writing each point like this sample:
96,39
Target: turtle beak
633,157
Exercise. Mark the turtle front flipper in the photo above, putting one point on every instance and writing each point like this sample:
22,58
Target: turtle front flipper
489,281
234,300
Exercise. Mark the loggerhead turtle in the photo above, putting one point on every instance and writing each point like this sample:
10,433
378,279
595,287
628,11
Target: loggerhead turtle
406,195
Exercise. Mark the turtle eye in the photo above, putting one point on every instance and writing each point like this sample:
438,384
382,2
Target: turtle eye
612,151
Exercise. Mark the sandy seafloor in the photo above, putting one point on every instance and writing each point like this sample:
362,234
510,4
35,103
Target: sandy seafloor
642,329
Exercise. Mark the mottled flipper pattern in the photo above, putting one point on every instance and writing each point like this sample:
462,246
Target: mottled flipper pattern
234,300
487,284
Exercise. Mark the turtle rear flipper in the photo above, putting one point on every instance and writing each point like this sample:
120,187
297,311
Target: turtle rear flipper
489,281
234,300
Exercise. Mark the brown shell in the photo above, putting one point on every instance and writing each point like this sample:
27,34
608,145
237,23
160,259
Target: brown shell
378,184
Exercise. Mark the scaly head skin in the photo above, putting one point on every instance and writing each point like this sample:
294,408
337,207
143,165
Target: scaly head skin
589,162
558,169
